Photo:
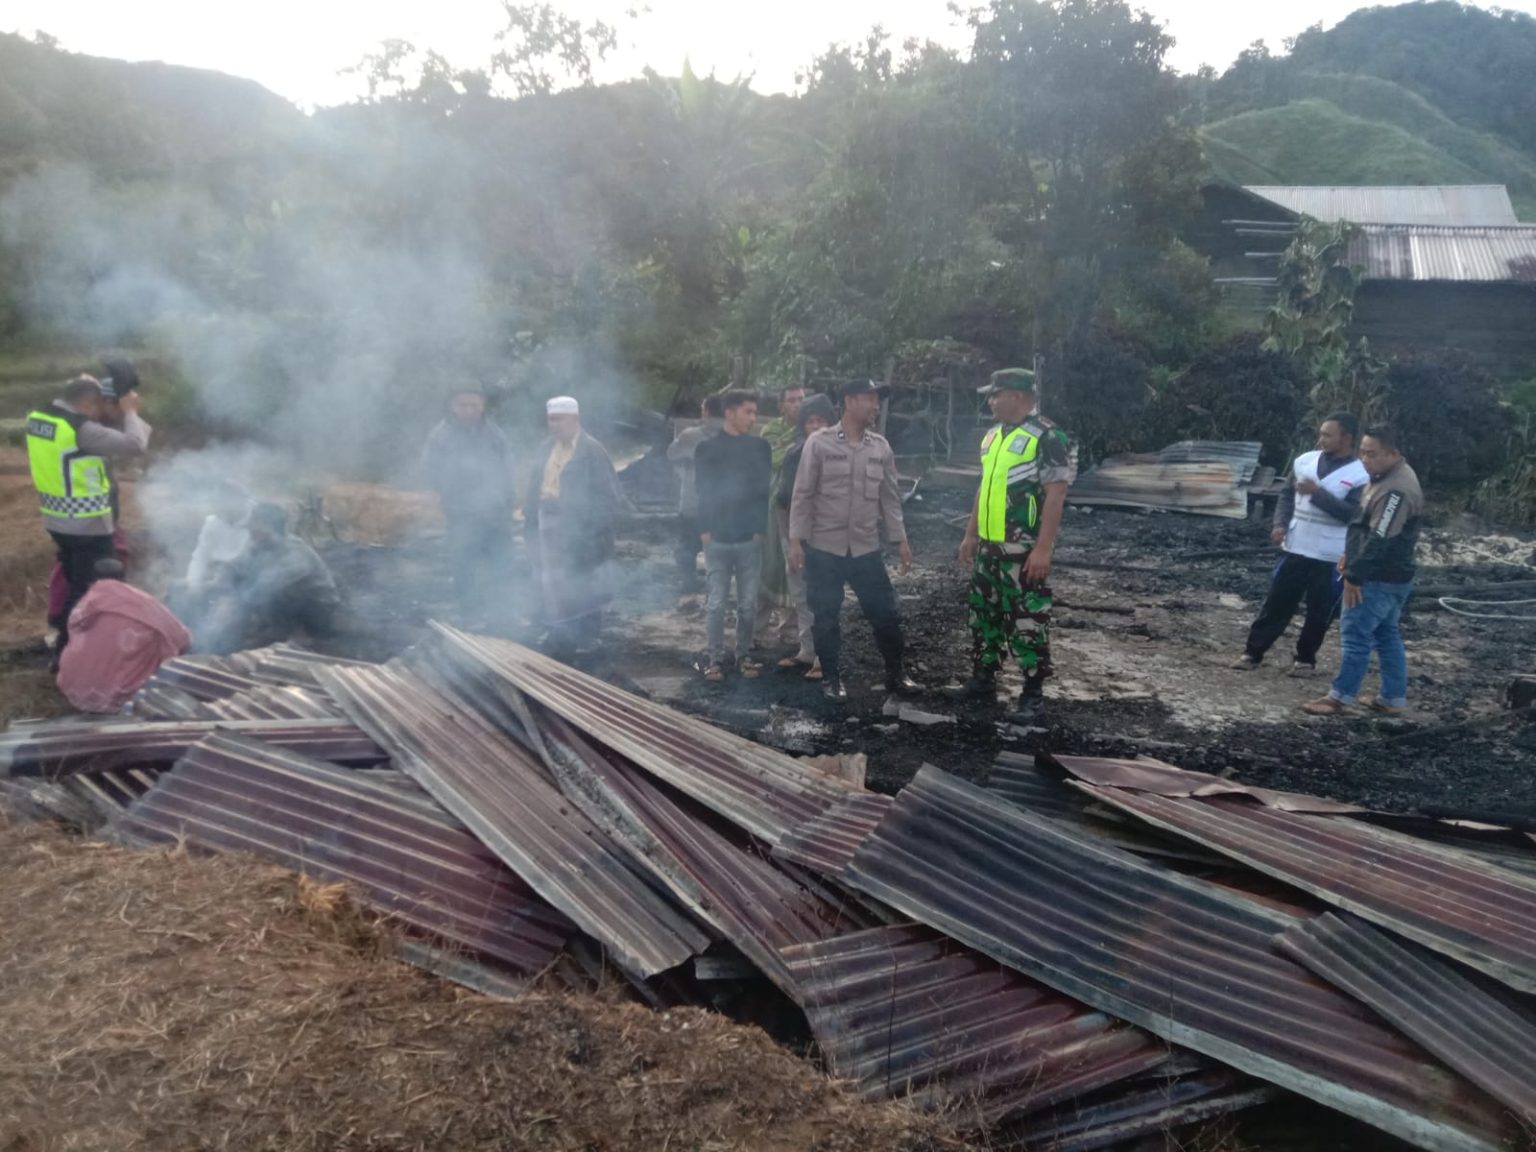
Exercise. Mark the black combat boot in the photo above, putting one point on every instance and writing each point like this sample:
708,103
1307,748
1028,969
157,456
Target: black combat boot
1029,711
897,681
981,686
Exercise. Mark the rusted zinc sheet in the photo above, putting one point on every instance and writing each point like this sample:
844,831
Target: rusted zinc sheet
1021,781
826,843
163,702
1147,775
1184,959
1154,1108
200,677
1460,255
109,793
401,853
714,869
904,1012
1448,901
58,749
504,797
275,702
757,788
1490,1039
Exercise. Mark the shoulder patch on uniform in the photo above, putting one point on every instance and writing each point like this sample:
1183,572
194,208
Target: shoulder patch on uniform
42,429
1044,421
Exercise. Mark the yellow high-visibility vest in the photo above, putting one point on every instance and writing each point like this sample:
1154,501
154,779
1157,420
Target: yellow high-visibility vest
71,485
1008,457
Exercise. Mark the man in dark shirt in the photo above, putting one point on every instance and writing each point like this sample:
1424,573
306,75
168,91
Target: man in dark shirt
732,473
1378,568
1321,497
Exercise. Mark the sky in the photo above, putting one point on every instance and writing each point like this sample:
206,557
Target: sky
297,48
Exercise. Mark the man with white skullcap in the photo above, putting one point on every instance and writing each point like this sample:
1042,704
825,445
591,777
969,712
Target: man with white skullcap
569,518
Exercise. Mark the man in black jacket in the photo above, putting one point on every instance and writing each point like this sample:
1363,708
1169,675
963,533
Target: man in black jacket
569,515
1378,567
733,472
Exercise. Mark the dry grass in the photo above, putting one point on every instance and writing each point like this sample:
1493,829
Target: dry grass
153,1001
377,514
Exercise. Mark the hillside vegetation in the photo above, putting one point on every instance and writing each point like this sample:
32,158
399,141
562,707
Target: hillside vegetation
322,279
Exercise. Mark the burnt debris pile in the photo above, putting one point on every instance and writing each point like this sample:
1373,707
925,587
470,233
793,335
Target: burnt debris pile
1085,952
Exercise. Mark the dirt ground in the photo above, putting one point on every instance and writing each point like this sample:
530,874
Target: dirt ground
159,1002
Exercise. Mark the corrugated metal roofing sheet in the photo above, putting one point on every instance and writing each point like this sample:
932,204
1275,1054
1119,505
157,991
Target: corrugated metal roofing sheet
59,748
399,850
827,842
714,869
1126,1112
1489,1039
1179,957
905,1012
1201,489
1459,255
504,797
1449,204
757,788
1478,913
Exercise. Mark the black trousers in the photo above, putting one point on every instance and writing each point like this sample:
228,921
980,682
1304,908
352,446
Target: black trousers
1298,578
826,575
78,556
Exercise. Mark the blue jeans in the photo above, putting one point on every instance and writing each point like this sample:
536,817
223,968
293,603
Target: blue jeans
1372,626
721,562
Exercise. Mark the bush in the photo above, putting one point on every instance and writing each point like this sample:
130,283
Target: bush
1098,393
1234,391
1454,426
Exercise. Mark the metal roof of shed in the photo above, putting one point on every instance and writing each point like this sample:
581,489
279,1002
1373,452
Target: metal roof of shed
1460,255
1446,204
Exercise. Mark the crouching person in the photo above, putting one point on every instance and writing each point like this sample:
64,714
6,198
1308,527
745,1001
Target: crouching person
277,587
119,637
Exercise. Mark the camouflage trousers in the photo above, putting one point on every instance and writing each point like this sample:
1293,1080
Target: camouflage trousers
1006,617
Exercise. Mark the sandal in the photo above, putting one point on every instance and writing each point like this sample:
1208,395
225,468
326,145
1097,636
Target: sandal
815,672
1324,706
790,662
714,672
749,669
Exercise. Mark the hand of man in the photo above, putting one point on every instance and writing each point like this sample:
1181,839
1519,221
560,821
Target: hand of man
906,557
128,403
1306,487
1037,567
1277,535
796,556
706,539
1354,595
968,548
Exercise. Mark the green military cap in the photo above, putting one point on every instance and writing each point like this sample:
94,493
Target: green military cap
1013,379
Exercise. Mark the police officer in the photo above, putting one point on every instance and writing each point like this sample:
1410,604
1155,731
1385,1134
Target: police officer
1026,465
67,448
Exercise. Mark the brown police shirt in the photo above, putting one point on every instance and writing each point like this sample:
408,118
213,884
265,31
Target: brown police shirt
845,493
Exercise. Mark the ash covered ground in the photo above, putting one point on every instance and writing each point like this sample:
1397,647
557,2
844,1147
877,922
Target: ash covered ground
1153,681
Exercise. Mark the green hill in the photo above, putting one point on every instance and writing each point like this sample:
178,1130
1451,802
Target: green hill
1364,130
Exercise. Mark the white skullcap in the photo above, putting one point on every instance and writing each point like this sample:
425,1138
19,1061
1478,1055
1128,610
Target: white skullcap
562,406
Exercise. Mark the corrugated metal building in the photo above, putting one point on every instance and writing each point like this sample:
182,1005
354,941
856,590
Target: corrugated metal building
1445,266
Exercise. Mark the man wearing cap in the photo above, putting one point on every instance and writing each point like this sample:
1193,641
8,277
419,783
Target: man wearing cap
569,516
845,493
1026,465
68,446
469,465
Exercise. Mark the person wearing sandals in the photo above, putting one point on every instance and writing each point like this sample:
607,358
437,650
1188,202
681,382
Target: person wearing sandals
815,414
1378,570
733,473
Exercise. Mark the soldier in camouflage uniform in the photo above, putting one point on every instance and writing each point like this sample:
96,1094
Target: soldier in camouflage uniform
1026,465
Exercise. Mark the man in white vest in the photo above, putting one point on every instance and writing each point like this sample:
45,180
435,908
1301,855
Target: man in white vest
1312,518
